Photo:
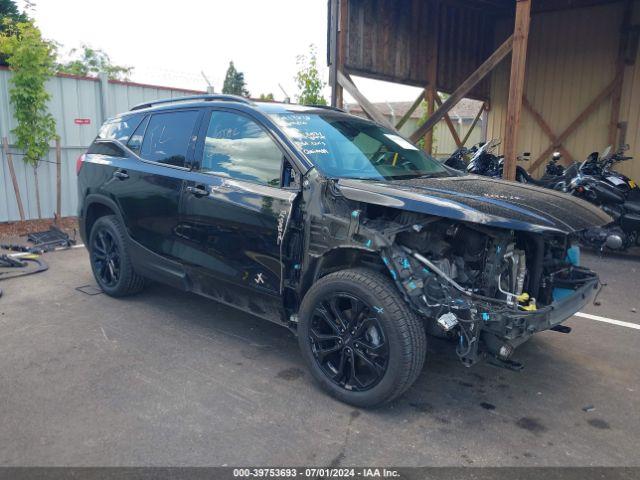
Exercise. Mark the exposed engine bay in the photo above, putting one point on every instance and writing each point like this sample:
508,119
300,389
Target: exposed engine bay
487,288
473,281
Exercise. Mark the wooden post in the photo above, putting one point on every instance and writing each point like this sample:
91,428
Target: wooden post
516,86
14,180
472,80
342,46
616,97
428,137
333,52
58,180
338,22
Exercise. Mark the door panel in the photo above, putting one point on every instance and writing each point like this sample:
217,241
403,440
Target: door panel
149,192
233,232
234,214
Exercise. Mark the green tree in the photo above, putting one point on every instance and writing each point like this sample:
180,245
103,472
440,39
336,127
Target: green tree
9,10
310,85
234,83
92,61
32,60
266,97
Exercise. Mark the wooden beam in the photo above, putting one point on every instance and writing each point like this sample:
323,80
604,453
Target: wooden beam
333,51
472,80
616,97
473,124
368,108
343,13
592,107
447,119
428,137
58,180
537,116
412,109
14,180
516,87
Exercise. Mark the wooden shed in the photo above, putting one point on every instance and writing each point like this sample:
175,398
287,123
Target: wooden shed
554,74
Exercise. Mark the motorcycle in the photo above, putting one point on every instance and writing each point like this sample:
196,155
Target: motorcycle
616,194
483,161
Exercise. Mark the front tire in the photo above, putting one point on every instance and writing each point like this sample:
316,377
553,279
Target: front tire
359,338
110,261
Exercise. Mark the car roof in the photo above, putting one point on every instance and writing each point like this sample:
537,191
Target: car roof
225,100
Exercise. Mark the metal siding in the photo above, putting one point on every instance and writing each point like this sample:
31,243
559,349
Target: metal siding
71,98
570,60
630,111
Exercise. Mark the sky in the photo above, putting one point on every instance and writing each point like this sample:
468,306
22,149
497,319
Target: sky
171,42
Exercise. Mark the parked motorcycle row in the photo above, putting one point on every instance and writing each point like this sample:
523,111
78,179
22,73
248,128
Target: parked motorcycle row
594,180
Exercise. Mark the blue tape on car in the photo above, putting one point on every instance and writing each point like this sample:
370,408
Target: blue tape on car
573,255
560,293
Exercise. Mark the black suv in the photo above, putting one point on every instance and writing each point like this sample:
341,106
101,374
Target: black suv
334,227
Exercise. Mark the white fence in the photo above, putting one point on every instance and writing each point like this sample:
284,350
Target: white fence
79,106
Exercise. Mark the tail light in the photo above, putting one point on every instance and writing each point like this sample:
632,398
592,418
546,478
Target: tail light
79,163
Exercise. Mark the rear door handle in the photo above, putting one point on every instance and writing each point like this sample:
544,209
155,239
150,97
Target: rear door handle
198,191
121,174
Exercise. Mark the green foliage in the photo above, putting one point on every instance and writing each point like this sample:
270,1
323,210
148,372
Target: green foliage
266,97
234,83
9,10
310,85
32,61
92,61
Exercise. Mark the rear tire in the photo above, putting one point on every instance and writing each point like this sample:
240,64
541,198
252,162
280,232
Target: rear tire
383,338
110,261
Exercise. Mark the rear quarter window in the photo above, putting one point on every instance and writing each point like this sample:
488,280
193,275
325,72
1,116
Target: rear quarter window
119,128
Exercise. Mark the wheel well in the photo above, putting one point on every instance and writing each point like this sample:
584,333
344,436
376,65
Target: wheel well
342,259
94,212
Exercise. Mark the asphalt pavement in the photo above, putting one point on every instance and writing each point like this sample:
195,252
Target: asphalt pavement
169,378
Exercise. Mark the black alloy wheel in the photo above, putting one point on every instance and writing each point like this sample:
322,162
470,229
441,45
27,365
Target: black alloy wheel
348,342
105,256
110,260
359,338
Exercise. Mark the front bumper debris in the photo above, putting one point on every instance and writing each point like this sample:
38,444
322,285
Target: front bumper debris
488,326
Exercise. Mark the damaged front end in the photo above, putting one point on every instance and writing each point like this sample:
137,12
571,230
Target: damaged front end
490,289
487,287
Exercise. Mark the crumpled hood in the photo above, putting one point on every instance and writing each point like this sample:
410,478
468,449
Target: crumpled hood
481,200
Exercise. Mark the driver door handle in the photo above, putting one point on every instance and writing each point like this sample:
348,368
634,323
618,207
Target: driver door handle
120,174
198,190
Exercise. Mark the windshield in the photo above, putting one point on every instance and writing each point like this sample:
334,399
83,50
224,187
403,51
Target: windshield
345,147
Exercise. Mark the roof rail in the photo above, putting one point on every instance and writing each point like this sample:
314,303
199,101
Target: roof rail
206,98
326,107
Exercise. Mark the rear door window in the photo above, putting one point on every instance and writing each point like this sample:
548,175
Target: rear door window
167,137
